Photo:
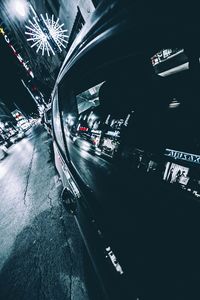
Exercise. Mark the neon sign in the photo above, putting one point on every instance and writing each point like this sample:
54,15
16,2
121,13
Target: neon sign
15,53
183,156
83,128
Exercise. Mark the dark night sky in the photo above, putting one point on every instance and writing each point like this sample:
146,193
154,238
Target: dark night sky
11,87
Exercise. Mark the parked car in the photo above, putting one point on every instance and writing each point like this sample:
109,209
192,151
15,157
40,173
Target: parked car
18,136
47,119
21,134
126,142
7,142
3,152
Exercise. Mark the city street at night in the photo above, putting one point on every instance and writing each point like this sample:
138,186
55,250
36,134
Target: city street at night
99,150
41,252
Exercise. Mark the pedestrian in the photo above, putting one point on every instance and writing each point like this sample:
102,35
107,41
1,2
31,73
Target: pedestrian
178,176
170,175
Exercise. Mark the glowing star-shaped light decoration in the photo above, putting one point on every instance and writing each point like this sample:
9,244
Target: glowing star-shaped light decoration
46,34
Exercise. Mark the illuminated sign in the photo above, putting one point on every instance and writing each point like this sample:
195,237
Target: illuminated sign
83,129
2,31
96,131
113,133
183,156
15,53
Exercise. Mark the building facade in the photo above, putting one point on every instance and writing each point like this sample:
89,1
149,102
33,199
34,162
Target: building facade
5,114
44,68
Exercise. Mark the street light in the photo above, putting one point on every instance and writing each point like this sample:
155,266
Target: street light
18,8
44,33
21,8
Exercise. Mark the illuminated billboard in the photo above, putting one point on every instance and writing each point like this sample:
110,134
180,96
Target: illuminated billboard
193,158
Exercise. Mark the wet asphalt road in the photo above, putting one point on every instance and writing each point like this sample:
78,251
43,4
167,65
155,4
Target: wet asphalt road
41,251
